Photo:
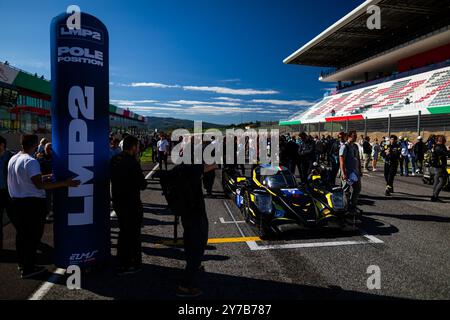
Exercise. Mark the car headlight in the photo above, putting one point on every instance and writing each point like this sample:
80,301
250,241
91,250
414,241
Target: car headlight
263,202
337,199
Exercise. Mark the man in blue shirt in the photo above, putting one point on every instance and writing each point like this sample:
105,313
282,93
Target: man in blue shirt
5,155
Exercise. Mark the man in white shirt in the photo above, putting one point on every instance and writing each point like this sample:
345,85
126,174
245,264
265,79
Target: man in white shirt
163,150
27,187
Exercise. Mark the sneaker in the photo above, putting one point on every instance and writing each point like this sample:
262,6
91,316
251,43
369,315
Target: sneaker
25,274
436,199
413,174
185,292
387,193
127,271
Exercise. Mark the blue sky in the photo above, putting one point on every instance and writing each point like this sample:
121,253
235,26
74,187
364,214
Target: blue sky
218,60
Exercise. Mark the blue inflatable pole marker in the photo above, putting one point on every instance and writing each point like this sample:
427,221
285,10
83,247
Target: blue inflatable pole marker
80,131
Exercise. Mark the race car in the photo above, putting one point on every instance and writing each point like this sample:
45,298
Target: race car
272,201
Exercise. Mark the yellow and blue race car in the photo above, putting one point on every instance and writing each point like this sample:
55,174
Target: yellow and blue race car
273,201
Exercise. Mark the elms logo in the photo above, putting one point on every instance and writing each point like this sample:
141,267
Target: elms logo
83,257
81,152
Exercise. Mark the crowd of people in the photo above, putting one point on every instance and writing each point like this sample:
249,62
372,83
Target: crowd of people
27,181
399,154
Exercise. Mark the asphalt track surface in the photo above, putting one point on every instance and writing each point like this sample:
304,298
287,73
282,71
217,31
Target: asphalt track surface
407,237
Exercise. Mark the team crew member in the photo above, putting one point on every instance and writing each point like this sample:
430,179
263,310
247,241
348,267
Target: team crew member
439,167
306,152
376,149
210,172
419,150
163,151
5,155
391,154
367,152
334,154
127,181
183,190
27,187
350,165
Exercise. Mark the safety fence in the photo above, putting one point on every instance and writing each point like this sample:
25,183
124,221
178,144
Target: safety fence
411,125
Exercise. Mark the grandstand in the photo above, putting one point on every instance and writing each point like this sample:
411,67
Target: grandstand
399,71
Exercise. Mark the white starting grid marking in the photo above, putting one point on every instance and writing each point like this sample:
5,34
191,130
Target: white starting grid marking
149,176
370,239
46,286
222,220
254,246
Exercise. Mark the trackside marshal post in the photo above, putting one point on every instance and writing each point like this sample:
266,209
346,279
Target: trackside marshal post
80,130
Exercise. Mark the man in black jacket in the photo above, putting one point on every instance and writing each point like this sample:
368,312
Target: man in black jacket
183,190
419,150
292,154
127,182
391,154
5,201
306,152
439,167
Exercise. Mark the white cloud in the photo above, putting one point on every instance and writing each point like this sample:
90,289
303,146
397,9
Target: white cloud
297,103
200,109
169,104
189,102
152,85
223,90
228,99
131,102
220,90
231,80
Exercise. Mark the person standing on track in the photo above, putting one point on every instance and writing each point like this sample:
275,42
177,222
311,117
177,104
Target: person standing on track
391,154
376,149
367,152
419,150
209,176
27,186
334,153
306,152
439,167
183,190
5,156
350,165
163,150
127,181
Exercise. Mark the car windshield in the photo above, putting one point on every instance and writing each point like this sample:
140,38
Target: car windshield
280,180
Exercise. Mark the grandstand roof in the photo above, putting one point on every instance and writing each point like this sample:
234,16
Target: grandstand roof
349,41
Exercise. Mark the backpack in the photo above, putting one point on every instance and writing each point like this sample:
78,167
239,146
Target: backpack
431,158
